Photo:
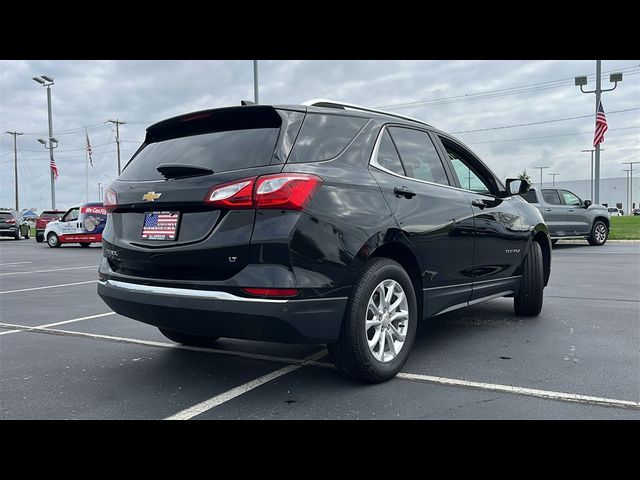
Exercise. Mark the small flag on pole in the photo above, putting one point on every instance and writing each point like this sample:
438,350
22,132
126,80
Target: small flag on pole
89,150
601,126
54,168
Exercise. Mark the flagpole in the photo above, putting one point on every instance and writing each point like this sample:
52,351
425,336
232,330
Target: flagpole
86,166
596,194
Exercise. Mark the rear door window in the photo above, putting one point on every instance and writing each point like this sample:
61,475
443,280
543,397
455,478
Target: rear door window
324,137
419,155
551,197
388,155
220,151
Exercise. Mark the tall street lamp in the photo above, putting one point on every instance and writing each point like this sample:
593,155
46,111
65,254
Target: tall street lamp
554,178
541,174
626,186
580,82
47,81
631,164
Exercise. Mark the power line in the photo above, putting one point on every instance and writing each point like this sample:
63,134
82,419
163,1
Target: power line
501,92
543,121
549,136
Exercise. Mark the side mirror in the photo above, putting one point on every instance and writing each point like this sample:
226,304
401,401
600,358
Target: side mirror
587,203
516,186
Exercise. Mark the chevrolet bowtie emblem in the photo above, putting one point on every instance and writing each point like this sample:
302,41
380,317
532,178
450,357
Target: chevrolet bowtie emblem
151,196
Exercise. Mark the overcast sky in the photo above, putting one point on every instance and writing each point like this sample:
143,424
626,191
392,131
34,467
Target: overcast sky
456,96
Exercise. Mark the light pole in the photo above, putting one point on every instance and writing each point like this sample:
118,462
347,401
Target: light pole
581,81
631,164
591,184
255,81
15,159
46,81
626,186
554,178
541,174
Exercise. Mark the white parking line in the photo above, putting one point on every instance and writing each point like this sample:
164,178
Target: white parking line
312,361
530,392
48,286
26,328
202,407
51,270
13,263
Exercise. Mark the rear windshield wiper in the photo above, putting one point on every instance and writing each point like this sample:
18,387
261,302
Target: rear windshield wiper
175,170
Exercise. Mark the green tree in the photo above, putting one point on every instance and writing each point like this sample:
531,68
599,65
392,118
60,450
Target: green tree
525,176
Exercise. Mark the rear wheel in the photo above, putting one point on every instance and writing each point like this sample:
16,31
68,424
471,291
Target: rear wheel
39,238
52,240
85,244
379,324
26,235
17,234
599,234
188,339
528,301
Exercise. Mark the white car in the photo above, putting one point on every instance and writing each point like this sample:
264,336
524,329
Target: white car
614,212
82,224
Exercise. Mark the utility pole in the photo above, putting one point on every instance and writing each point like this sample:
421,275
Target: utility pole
631,164
15,162
255,81
117,123
581,81
626,186
99,192
541,174
554,178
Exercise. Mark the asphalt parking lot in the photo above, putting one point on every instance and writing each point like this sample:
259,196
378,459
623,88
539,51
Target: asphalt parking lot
65,355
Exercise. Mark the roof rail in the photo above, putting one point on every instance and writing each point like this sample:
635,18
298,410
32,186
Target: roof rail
321,102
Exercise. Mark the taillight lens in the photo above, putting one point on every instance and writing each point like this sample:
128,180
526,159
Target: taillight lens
272,292
110,200
286,191
282,191
11,221
237,194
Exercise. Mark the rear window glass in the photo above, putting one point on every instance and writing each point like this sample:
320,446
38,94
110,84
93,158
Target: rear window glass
5,215
529,196
324,137
51,215
551,197
220,151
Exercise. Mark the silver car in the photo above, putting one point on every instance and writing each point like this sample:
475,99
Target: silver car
567,216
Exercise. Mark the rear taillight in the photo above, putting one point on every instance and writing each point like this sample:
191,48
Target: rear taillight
11,221
238,194
272,292
110,200
286,191
282,191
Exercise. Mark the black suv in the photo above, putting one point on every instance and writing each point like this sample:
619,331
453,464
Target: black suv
322,223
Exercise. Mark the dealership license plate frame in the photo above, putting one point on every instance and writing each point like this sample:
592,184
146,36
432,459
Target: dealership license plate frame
162,237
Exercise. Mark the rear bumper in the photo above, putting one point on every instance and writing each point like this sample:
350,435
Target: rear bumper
218,313
8,232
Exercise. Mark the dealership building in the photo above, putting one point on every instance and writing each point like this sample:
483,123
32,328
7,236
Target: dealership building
613,191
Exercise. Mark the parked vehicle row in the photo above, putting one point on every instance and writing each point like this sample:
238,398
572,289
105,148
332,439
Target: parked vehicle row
12,224
318,223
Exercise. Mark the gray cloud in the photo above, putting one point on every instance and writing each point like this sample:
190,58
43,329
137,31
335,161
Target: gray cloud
142,92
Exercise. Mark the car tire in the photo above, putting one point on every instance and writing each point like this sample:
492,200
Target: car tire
599,234
39,239
188,339
17,234
528,301
352,353
52,240
85,244
27,235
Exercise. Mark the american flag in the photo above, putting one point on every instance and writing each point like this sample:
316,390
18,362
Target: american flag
601,126
160,225
54,167
89,150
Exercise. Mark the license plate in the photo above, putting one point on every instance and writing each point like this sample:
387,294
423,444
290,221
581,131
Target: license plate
160,225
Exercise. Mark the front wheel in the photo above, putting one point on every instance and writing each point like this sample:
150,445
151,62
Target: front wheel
599,234
188,339
528,301
52,240
379,324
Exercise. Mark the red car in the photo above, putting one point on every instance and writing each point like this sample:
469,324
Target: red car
44,218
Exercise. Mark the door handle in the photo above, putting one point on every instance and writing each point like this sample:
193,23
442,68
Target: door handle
403,192
548,209
479,203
